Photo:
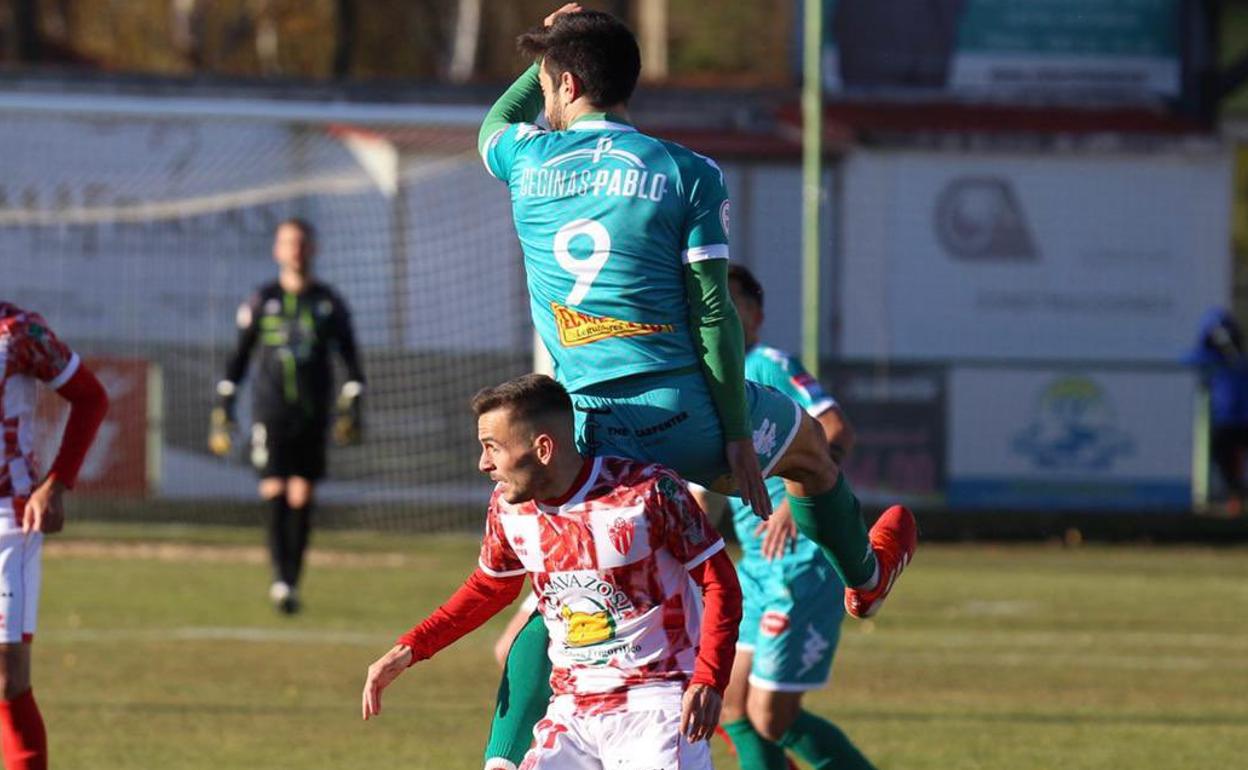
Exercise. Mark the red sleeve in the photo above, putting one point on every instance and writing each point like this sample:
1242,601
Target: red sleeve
721,616
88,404
480,598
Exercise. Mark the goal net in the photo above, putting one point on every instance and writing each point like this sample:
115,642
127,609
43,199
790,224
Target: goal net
138,228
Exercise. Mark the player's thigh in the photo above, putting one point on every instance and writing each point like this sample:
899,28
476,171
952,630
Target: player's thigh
798,632
806,464
299,491
738,690
560,743
772,712
775,421
644,740
20,577
304,451
753,591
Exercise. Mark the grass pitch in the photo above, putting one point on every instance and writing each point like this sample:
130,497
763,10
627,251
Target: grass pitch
157,649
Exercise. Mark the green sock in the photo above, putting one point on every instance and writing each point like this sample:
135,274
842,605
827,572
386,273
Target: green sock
753,751
522,695
833,519
823,745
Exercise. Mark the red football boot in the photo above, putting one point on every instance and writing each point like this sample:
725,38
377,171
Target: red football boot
893,538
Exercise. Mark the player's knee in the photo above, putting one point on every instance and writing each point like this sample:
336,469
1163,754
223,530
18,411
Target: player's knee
271,488
808,462
298,493
773,716
732,712
14,671
771,726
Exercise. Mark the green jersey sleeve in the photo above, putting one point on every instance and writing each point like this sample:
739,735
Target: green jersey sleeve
508,125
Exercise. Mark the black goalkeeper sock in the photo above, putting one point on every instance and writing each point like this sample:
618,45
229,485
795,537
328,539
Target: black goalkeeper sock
279,546
298,534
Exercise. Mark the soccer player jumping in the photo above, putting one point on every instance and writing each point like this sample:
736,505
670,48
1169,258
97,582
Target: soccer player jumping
625,241
611,546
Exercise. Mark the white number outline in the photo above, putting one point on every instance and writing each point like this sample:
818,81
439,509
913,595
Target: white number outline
585,270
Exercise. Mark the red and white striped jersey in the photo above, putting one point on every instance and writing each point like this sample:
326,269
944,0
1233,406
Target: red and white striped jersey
610,567
29,351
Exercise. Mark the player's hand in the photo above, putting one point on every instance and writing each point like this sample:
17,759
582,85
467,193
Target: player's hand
384,671
699,712
779,532
748,476
220,433
565,8
44,510
349,424
347,430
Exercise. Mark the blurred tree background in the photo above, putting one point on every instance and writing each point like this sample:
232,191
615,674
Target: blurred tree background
696,42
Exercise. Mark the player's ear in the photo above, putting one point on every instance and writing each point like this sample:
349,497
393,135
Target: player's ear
544,444
571,85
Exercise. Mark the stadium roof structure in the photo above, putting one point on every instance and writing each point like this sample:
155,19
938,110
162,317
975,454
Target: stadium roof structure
752,123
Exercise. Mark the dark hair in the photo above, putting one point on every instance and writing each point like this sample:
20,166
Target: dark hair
303,225
748,283
596,47
530,398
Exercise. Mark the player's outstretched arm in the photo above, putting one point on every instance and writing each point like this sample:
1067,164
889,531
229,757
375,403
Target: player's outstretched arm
481,597
384,671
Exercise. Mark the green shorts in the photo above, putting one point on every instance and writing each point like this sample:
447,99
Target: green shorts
791,622
670,419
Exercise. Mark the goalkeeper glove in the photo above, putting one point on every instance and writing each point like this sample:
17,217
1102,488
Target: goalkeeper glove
349,423
221,429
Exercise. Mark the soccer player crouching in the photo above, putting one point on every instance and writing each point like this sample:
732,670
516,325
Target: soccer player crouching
610,545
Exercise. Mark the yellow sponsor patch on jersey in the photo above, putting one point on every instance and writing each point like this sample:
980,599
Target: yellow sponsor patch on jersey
577,328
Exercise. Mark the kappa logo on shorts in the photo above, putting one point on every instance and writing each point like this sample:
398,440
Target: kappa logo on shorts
773,623
765,438
621,533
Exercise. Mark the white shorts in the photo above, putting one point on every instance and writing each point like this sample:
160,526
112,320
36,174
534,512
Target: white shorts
623,740
21,570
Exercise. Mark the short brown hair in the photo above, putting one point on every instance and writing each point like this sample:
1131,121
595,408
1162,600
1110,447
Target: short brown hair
530,398
596,47
748,283
301,224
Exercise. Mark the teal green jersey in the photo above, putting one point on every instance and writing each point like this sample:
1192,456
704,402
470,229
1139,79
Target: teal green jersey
608,218
777,369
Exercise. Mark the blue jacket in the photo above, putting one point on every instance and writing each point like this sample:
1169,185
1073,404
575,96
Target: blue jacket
1219,353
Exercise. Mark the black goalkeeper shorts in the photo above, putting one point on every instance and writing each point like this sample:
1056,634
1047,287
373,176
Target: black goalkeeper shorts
282,451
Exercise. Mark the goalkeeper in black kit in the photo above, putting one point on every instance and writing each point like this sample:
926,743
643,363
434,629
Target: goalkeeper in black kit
291,325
